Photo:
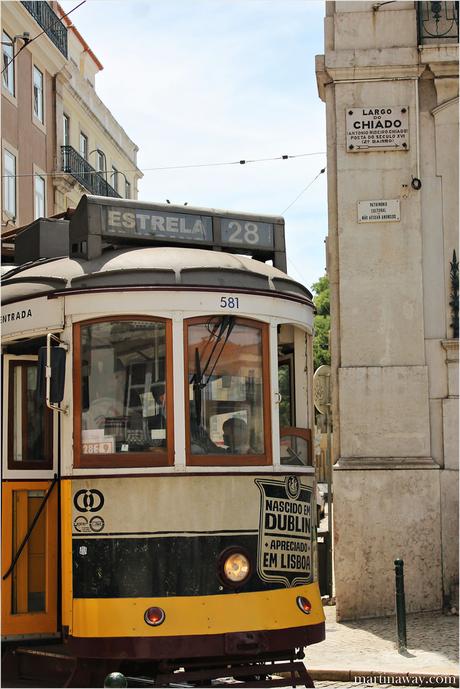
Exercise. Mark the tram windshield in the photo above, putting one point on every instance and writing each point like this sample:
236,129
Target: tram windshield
225,375
123,394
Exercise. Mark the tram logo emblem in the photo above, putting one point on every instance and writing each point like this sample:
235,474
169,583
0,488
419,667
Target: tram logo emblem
88,500
293,487
285,524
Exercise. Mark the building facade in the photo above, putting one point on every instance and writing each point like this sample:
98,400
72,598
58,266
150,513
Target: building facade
28,117
94,154
389,79
59,140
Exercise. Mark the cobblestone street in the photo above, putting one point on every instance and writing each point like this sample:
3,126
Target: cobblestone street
368,647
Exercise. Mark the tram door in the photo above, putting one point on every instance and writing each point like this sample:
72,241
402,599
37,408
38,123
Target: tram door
29,505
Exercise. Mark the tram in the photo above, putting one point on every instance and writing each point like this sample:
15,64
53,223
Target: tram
158,488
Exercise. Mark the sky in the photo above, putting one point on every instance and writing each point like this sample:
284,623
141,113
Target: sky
195,82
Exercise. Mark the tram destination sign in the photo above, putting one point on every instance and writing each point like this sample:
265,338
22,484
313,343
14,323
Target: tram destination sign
99,222
133,222
382,128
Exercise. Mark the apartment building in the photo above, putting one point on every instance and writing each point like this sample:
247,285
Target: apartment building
94,154
59,140
28,126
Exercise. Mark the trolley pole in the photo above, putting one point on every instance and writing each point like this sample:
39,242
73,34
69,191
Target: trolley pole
400,605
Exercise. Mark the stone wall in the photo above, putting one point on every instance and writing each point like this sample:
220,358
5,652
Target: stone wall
395,402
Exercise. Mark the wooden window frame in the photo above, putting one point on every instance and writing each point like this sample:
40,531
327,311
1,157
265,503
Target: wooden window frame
232,459
124,460
47,461
305,434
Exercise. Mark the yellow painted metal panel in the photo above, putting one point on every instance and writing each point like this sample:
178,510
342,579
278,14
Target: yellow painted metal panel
28,622
190,615
66,557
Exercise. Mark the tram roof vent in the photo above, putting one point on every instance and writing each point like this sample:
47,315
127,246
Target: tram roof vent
43,238
100,222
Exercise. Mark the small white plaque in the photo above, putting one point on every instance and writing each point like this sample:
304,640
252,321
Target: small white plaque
384,128
380,210
158,434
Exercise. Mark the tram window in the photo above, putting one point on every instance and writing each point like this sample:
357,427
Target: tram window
295,447
30,422
286,390
227,391
122,403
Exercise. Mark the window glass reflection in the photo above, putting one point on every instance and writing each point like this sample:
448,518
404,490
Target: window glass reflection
123,387
30,430
225,387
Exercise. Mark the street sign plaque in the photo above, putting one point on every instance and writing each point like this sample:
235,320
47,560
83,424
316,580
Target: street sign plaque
382,128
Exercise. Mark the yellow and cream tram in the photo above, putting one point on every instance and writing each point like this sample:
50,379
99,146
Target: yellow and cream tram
158,493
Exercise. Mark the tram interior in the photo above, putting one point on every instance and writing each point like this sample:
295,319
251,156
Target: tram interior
123,390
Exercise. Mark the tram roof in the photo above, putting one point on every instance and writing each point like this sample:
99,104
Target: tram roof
167,267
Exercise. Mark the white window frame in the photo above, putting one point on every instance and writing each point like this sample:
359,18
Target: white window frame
66,129
83,149
114,178
9,75
9,182
39,174
39,115
101,161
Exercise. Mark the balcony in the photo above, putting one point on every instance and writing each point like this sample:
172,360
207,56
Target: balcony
437,22
83,172
50,23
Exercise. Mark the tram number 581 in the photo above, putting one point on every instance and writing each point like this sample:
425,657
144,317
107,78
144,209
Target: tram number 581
229,303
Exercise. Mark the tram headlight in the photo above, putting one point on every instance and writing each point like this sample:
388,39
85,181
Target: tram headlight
234,566
154,616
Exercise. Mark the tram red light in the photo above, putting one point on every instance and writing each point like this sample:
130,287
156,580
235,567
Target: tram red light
154,616
304,604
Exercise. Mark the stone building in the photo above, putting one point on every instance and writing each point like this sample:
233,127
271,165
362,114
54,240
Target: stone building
389,79
59,140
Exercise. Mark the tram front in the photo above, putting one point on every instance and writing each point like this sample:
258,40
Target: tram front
187,512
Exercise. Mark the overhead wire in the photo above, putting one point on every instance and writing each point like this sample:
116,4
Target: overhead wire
31,40
303,190
176,167
290,261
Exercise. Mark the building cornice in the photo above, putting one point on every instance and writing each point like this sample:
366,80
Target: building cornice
384,463
451,348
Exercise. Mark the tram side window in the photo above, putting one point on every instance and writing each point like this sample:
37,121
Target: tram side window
30,422
295,442
123,392
227,391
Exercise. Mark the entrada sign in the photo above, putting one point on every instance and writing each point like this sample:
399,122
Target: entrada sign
378,128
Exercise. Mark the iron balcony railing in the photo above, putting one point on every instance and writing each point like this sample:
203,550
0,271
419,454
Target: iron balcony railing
50,23
81,170
437,22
